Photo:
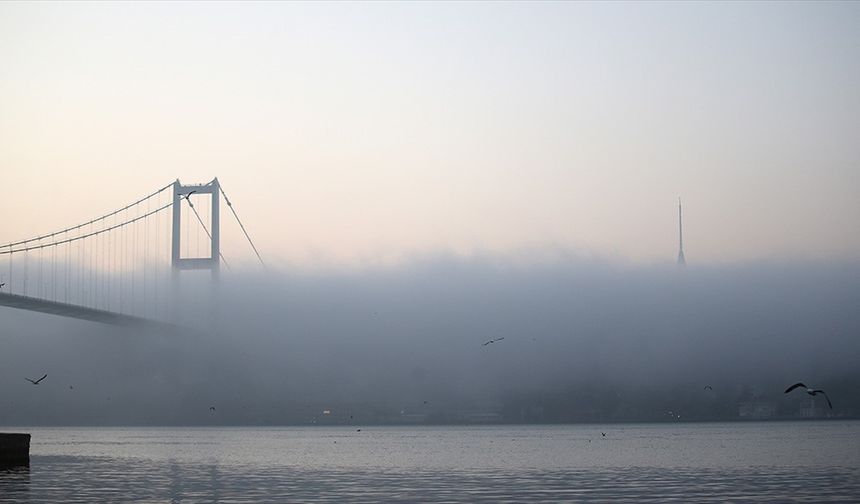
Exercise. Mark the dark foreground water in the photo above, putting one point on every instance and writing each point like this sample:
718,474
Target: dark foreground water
737,462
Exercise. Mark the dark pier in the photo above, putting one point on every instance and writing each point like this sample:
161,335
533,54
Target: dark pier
14,449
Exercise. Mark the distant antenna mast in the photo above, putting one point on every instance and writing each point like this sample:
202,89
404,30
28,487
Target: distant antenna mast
681,260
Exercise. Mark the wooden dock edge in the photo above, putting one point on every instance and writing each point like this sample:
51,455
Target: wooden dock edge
14,449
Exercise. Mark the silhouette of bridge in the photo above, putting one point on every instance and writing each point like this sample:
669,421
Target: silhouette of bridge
123,267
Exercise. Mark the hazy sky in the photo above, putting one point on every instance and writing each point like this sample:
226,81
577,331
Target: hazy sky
350,133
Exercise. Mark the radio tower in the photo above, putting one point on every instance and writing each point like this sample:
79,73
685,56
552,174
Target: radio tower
681,260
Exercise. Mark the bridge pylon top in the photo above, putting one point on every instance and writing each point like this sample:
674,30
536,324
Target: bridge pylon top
184,192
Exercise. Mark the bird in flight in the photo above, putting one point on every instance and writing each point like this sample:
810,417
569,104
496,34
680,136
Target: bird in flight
603,434
2,284
212,409
810,391
708,387
36,382
491,341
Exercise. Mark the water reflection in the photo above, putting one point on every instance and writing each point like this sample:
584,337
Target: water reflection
83,479
15,481
811,462
176,488
215,483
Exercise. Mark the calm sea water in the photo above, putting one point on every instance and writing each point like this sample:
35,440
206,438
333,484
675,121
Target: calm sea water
732,462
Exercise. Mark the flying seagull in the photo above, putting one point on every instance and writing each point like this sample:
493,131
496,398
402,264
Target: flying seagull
708,387
36,382
492,341
212,409
810,391
2,284
603,434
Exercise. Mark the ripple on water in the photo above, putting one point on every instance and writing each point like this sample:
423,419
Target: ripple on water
94,479
808,462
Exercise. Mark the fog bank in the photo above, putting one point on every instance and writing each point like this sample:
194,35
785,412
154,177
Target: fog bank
583,341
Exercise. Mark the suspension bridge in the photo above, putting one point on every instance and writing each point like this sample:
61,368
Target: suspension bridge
124,267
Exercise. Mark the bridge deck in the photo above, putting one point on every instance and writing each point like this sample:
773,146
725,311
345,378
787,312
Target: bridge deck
78,312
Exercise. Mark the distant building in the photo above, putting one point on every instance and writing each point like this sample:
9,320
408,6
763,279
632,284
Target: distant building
412,418
681,260
480,417
756,410
531,414
811,408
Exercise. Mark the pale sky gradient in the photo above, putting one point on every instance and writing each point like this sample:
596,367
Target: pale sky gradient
364,132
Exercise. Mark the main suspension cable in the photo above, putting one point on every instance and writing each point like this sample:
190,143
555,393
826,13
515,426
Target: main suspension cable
81,237
55,233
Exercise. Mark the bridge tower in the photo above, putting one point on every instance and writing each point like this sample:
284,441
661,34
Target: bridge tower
681,260
213,262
